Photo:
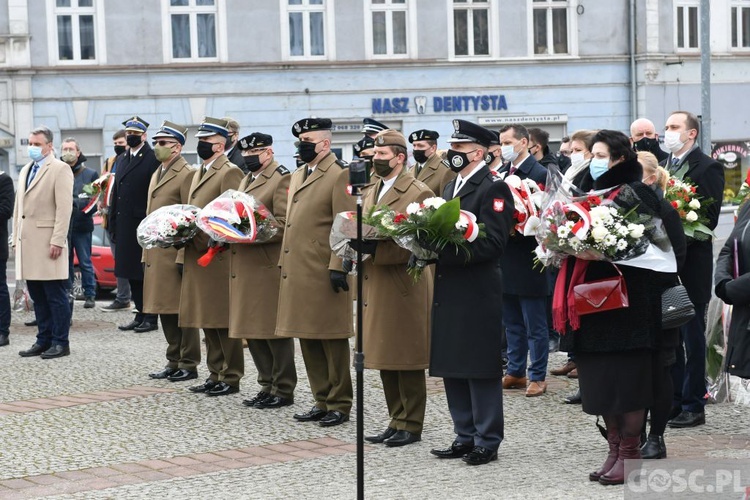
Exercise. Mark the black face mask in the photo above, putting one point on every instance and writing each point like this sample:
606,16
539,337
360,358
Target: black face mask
382,168
489,158
646,144
563,162
419,155
457,161
205,150
134,140
253,163
307,151
119,150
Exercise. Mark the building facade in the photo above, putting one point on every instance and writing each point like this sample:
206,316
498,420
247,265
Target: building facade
83,66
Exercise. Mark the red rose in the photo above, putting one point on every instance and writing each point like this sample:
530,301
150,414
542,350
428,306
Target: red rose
399,218
692,188
674,204
594,200
521,217
541,187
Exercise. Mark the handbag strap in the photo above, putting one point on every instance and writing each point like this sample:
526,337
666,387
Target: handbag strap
616,268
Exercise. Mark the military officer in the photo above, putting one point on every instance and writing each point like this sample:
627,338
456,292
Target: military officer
466,314
254,280
170,184
397,345
372,127
204,302
314,305
364,148
231,150
430,168
494,157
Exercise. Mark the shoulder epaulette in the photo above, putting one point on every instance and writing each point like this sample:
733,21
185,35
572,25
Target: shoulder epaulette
342,163
282,170
445,163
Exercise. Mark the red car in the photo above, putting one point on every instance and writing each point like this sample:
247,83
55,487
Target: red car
101,259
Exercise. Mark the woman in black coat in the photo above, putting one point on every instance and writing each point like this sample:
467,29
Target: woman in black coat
614,348
734,289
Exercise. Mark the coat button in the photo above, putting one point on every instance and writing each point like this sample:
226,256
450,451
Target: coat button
153,195
283,275
295,200
440,276
286,250
366,276
288,225
234,275
23,216
436,304
234,252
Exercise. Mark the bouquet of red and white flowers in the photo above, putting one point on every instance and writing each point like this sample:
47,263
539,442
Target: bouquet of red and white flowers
344,229
527,201
172,225
94,191
691,207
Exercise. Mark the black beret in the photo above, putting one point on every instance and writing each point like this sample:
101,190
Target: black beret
423,135
255,140
311,125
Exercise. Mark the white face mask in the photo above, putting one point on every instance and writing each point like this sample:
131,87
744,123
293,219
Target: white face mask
509,153
672,141
576,160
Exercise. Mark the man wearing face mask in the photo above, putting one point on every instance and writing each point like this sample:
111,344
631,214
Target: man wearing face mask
643,137
466,321
563,155
204,299
372,127
314,305
232,151
689,372
254,280
494,158
430,168
525,289
82,223
127,210
364,148
539,147
169,185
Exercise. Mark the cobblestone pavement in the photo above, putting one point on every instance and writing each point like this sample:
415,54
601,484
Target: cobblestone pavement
93,425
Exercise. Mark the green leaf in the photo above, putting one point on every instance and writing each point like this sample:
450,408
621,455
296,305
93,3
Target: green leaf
445,217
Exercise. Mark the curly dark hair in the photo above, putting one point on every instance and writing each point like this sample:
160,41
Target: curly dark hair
618,144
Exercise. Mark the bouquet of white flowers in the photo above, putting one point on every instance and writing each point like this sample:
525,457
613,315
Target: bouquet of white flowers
172,225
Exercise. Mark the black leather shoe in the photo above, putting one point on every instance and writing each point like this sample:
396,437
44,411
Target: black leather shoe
4,340
273,402
379,438
654,448
255,399
676,410
130,326
312,415
332,418
688,419
146,326
56,351
573,399
222,389
182,375
35,350
456,450
33,322
480,456
166,372
402,438
204,387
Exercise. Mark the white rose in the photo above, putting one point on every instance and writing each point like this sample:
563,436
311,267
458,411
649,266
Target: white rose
412,208
694,204
691,216
636,230
513,181
599,233
434,202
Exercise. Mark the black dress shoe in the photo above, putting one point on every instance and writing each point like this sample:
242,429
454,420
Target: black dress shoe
255,399
654,448
4,340
35,350
33,322
480,456
146,326
130,326
573,399
402,438
273,402
204,387
688,419
182,375
166,372
312,415
333,417
56,351
379,438
456,450
222,389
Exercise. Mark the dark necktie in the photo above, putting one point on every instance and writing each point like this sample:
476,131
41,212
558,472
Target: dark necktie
512,170
32,174
675,162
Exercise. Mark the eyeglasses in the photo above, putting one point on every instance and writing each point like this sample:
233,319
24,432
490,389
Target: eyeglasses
164,143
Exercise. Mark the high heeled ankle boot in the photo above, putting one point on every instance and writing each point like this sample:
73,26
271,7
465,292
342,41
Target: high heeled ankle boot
613,438
629,449
654,448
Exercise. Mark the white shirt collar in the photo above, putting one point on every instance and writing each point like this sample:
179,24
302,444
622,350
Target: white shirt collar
461,181
386,186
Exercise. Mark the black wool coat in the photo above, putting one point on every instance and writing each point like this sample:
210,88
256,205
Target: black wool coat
7,201
128,209
466,311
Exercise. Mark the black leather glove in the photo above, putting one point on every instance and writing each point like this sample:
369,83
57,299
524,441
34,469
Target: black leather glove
348,265
179,268
338,281
364,246
427,245
179,245
414,262
220,244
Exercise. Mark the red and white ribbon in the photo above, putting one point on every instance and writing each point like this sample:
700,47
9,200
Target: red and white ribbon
472,228
581,228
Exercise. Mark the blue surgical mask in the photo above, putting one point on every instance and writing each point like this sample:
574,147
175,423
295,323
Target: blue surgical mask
35,153
598,166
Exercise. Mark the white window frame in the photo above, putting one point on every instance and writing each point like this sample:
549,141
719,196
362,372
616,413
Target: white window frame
493,25
100,44
686,4
329,30
218,9
739,5
410,8
548,5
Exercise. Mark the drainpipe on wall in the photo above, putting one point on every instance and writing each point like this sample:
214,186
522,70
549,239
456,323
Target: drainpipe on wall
633,76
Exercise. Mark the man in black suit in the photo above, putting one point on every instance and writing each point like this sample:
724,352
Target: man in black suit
525,289
231,150
7,199
689,375
127,210
466,313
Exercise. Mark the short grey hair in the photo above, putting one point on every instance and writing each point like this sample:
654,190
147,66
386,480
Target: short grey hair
73,140
42,130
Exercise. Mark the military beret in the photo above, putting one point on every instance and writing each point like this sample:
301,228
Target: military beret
390,137
466,131
171,130
213,126
255,140
311,125
423,135
136,124
371,126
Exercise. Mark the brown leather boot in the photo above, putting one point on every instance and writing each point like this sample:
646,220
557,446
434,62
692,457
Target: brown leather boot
613,438
630,448
564,369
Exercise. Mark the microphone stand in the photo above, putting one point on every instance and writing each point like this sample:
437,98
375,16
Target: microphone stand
359,360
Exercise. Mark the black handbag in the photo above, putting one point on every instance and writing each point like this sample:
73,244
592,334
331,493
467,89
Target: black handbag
676,307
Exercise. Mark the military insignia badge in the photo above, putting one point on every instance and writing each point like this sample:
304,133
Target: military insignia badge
381,139
414,137
457,161
498,204
297,128
455,125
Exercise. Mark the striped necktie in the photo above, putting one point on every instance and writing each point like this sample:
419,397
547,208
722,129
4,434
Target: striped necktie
34,170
